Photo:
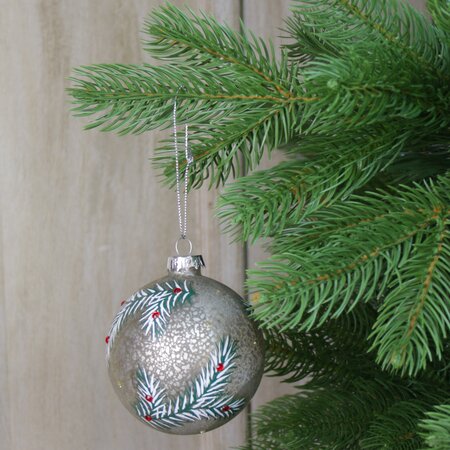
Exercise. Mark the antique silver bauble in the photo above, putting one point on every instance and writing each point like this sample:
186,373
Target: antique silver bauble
183,355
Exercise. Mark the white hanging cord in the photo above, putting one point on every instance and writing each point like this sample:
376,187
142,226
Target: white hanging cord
182,212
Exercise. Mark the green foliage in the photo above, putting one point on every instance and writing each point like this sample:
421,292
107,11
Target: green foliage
362,414
440,11
129,98
318,419
348,401
356,294
392,247
326,355
371,62
436,427
237,99
396,427
263,203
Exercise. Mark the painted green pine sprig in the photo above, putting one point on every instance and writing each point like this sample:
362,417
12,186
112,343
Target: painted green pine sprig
156,305
206,398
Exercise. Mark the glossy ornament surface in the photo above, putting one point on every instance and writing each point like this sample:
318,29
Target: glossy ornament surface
183,355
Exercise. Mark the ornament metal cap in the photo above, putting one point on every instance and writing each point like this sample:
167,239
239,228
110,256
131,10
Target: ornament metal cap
185,264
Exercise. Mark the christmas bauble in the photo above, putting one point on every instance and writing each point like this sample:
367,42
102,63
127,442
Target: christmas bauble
183,354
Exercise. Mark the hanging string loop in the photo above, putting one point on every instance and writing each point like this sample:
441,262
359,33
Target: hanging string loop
182,206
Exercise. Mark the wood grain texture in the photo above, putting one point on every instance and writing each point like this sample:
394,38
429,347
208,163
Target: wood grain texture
84,223
5,437
265,18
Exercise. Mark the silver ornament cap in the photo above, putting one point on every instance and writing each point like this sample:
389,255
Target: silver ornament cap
185,264
184,355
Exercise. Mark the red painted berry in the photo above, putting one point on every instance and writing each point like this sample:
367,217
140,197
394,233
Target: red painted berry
226,408
149,398
122,302
148,418
177,290
155,314
220,367
107,339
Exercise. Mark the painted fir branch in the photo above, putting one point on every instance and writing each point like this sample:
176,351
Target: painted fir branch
205,399
154,305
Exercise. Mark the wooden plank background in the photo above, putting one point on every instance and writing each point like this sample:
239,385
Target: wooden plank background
84,223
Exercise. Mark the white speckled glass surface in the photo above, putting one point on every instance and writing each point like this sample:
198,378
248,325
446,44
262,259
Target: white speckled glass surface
178,355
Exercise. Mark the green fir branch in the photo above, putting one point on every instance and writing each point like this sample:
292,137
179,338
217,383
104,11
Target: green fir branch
216,151
334,417
397,427
440,11
421,301
242,118
139,98
355,252
236,97
306,42
436,428
366,412
356,90
240,100
332,353
200,40
379,62
264,203
393,24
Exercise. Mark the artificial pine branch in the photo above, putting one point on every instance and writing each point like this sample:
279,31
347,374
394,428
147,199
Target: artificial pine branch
337,360
216,150
329,354
436,428
265,202
396,428
201,39
393,24
345,417
440,11
236,97
148,92
246,85
387,246
421,303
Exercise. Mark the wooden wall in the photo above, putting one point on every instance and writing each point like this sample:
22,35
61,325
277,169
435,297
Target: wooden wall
84,222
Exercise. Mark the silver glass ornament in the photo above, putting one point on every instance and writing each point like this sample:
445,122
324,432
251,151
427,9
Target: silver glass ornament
183,354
